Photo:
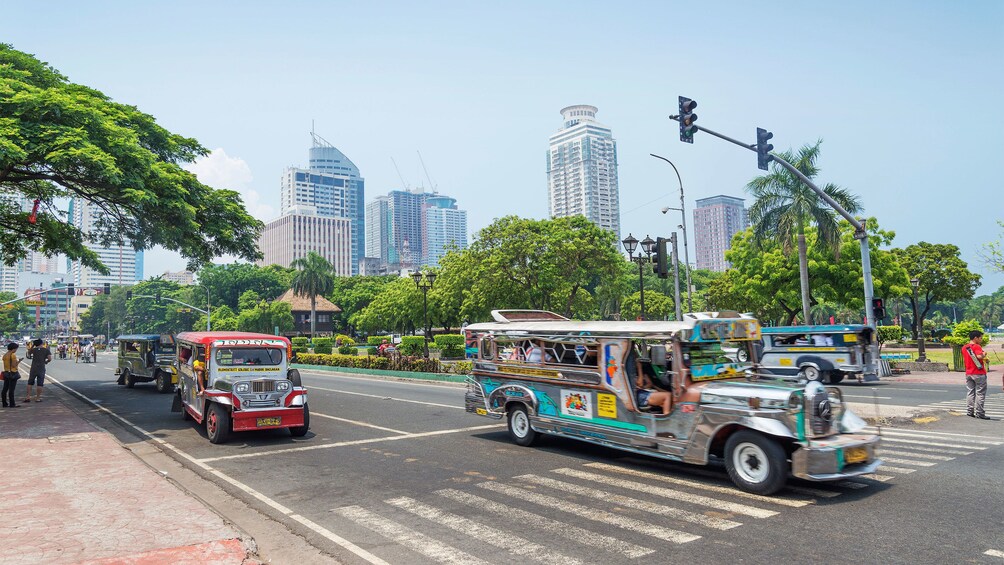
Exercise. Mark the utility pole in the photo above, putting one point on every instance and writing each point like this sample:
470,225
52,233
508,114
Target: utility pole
676,277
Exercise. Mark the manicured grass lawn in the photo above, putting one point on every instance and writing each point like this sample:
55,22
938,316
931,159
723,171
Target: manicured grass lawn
994,354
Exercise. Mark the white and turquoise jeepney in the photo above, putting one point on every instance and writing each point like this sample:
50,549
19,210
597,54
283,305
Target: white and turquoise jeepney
819,353
546,374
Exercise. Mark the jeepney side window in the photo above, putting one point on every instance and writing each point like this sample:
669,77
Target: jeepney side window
487,348
185,355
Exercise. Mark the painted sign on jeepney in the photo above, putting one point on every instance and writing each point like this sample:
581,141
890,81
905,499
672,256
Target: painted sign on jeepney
723,330
576,403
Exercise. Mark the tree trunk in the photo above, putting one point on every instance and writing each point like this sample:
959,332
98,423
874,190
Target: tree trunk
313,316
803,275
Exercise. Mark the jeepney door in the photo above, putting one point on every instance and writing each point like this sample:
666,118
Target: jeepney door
190,384
613,356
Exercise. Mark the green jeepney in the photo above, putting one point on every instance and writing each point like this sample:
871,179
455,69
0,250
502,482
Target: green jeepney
144,358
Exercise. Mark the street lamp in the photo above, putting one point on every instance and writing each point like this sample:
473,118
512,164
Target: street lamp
683,213
423,282
917,326
644,256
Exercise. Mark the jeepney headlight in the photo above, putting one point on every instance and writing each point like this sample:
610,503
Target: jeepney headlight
795,402
283,386
242,388
836,400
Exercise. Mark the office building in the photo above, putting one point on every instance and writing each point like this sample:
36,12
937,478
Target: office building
329,188
582,170
411,228
124,262
716,220
445,228
184,278
292,236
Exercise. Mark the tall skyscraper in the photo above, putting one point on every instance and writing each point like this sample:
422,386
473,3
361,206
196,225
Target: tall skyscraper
582,170
409,228
124,262
445,227
716,220
329,188
34,262
293,236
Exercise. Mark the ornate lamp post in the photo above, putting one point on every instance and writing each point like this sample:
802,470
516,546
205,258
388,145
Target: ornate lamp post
644,256
917,326
423,282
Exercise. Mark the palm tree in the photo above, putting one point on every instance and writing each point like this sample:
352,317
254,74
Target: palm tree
785,206
314,275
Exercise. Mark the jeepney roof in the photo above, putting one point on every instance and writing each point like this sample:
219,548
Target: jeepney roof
206,338
140,337
646,328
822,329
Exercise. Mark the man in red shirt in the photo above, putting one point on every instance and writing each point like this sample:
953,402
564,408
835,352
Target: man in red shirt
976,375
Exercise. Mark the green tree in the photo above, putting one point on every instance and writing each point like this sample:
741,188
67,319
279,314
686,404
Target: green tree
352,294
941,275
992,253
397,308
60,140
314,276
226,283
987,309
658,306
264,317
785,207
11,314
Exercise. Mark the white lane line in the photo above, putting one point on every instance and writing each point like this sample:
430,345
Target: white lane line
415,541
356,423
914,454
384,397
913,462
994,553
935,444
487,534
661,509
697,499
928,449
548,525
594,514
925,390
901,470
877,477
930,433
867,397
696,484
327,534
962,440
348,443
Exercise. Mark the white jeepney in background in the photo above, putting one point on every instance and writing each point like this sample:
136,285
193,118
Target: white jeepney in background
546,374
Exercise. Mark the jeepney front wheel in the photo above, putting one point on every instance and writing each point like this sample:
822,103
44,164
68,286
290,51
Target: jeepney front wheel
163,380
127,379
519,426
755,462
300,431
811,373
217,423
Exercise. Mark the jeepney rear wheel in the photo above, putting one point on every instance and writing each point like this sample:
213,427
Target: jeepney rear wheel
836,377
127,379
811,373
217,423
755,462
519,427
294,376
300,431
163,379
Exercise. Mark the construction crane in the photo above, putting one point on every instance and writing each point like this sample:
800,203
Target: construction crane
399,175
432,185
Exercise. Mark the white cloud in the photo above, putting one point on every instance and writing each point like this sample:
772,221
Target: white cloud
220,170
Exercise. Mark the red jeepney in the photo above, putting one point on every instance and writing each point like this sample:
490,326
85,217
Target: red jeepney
238,381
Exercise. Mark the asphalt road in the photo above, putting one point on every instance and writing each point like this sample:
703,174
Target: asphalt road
397,472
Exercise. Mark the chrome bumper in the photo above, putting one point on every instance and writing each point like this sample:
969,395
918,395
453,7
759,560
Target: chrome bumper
825,459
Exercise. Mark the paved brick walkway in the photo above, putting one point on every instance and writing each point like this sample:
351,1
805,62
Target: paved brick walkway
73,494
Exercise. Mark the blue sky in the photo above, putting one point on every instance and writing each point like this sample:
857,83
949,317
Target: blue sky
905,95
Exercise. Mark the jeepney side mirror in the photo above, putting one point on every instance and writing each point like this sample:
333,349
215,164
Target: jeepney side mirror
658,355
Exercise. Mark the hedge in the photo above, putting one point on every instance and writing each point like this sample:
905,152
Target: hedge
322,345
889,333
376,340
412,345
960,333
413,364
300,346
452,345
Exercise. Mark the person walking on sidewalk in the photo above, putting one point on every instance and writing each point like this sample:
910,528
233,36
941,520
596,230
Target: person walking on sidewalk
976,375
40,356
10,375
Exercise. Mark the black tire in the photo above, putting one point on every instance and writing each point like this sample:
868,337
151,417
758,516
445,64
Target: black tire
835,377
519,427
184,412
756,463
127,379
217,423
163,380
294,376
811,373
300,431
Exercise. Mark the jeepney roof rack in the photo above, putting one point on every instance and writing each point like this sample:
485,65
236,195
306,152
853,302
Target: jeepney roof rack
526,316
714,315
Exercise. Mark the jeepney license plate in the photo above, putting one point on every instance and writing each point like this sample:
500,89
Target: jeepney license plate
481,412
855,454
274,421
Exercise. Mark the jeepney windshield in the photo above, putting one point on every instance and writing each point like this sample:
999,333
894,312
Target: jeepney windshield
716,360
241,356
165,348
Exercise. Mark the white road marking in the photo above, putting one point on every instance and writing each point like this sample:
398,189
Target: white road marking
867,397
594,514
696,484
877,477
697,499
356,423
348,443
661,509
487,534
925,443
548,525
334,538
913,454
385,397
913,462
994,553
901,470
964,440
928,449
415,541
928,433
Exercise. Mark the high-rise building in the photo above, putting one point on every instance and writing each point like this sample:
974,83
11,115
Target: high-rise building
716,220
292,236
582,170
329,188
377,230
184,278
411,228
124,262
33,262
445,227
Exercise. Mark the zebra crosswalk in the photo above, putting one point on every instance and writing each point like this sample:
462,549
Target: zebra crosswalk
612,512
994,405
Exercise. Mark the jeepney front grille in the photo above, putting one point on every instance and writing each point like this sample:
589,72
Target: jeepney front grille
261,403
820,412
263,386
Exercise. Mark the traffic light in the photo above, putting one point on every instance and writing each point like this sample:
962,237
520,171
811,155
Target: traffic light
158,297
763,148
128,295
878,307
687,119
661,258
108,288
69,290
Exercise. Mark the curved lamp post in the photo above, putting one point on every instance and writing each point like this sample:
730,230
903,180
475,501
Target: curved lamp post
683,226
917,326
423,282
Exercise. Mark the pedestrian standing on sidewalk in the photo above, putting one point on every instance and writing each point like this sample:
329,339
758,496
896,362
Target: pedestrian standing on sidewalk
976,375
40,356
10,375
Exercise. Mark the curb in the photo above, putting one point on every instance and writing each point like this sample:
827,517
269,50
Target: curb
385,374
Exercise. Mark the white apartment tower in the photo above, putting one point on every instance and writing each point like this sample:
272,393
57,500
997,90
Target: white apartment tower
716,220
582,170
124,262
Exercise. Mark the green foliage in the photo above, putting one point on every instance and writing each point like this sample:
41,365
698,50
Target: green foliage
461,367
398,308
889,333
314,276
60,140
348,349
992,253
987,309
227,283
263,316
941,274
376,340
451,345
960,333
342,339
412,364
9,314
412,345
300,341
322,345
658,306
352,294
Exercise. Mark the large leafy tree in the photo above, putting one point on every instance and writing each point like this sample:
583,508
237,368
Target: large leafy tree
785,207
11,314
226,283
62,140
352,294
314,276
658,306
941,275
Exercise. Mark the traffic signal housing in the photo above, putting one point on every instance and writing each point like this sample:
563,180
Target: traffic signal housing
70,291
687,119
128,295
108,288
661,267
878,308
158,297
763,148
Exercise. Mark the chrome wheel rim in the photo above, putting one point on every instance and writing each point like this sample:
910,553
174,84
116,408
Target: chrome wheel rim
750,462
811,373
520,423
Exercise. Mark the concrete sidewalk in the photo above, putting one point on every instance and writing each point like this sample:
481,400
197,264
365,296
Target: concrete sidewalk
73,494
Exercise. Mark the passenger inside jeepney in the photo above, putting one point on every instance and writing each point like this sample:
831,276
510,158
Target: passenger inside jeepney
646,393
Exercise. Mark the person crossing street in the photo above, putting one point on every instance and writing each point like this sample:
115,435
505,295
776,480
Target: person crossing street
976,375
